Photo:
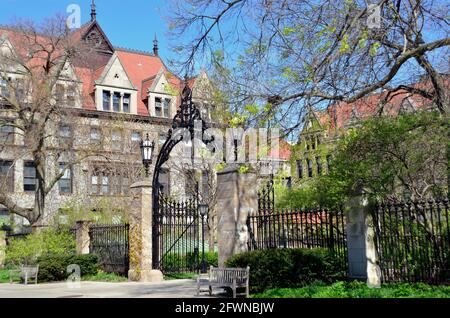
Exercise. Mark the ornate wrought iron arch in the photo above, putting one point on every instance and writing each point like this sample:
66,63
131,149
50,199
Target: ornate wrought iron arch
186,117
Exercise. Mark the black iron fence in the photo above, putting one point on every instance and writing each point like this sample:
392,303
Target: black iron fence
111,244
413,241
270,227
303,228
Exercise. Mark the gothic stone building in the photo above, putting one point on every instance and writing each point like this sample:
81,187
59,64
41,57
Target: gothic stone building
312,156
124,95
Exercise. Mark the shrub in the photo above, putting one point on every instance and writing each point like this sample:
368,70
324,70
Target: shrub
27,250
287,268
190,260
54,267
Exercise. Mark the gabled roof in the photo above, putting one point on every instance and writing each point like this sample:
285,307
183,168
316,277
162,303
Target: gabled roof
142,68
107,69
85,29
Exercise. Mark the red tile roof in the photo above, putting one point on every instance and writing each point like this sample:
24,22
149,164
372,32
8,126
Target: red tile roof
141,67
340,114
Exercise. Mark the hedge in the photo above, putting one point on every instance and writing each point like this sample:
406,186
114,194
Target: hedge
54,267
288,268
189,260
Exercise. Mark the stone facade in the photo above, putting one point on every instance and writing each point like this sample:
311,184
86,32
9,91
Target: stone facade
104,130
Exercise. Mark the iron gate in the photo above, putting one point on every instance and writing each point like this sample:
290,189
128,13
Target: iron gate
178,236
176,225
110,243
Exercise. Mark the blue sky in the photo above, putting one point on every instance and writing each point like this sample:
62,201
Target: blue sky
127,23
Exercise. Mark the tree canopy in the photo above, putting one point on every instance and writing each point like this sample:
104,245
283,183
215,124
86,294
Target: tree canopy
276,58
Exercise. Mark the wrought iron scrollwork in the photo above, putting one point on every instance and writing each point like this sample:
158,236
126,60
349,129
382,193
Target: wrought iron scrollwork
186,117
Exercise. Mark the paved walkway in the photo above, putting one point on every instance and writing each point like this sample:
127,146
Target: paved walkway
183,288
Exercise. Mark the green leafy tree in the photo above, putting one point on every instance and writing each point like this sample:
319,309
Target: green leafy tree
47,242
402,157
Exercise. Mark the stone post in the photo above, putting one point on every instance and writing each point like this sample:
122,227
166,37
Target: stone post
82,237
362,261
2,248
237,197
141,235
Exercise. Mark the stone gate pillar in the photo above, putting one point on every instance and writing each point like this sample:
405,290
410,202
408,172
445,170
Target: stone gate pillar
237,196
140,238
82,237
362,261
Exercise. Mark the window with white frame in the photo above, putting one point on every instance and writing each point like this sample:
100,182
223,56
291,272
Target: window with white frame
158,107
116,102
167,102
65,182
106,100
110,181
100,183
29,177
126,103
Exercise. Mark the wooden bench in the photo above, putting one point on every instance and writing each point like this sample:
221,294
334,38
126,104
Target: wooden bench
26,273
225,277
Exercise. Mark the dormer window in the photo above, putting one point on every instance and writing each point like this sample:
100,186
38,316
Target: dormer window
106,100
126,103
162,107
158,107
166,107
71,96
116,102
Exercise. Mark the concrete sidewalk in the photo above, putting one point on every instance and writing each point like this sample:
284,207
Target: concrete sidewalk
183,288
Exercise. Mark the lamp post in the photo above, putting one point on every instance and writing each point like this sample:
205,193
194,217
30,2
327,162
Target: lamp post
147,148
203,212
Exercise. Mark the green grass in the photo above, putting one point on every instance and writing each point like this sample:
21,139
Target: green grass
105,277
173,276
357,289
